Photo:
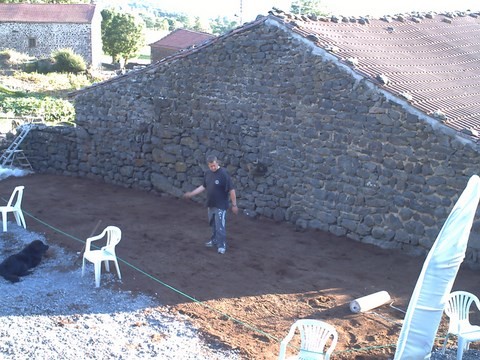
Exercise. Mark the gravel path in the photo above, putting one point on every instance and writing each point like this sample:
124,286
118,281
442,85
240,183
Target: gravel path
55,313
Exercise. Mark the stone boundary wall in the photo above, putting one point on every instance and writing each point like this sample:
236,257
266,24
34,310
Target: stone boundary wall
304,140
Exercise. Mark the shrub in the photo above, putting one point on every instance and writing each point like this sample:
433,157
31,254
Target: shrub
30,66
53,110
67,61
44,66
58,110
12,59
20,106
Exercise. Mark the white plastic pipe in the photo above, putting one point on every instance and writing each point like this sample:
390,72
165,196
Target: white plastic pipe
369,302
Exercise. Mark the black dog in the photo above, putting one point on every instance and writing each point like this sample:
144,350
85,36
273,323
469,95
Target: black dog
20,264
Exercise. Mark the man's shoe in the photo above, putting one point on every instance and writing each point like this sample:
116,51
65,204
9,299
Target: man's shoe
209,243
221,250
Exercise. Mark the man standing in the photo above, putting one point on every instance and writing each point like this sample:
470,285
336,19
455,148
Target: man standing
219,188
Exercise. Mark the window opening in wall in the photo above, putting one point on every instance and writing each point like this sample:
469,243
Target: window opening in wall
32,42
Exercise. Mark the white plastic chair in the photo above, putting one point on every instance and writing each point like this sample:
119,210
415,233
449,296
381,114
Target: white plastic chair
105,254
15,208
315,336
457,309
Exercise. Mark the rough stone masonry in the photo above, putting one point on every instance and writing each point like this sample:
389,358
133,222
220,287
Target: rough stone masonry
305,141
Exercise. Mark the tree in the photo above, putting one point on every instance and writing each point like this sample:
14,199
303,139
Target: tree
201,25
172,24
122,35
310,7
148,19
161,24
222,25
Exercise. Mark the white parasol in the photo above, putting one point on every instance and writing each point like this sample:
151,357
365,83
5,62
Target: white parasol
436,278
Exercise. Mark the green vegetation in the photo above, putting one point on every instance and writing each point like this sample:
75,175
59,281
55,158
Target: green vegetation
35,94
310,7
52,110
9,92
30,86
62,60
157,19
66,61
12,59
154,17
52,84
122,35
222,24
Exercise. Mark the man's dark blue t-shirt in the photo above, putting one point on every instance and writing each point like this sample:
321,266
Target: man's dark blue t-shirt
218,185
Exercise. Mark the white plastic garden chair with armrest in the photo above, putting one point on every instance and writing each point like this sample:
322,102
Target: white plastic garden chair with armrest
103,255
318,340
457,309
14,206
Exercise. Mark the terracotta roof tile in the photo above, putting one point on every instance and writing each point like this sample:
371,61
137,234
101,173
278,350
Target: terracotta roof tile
437,62
47,13
182,39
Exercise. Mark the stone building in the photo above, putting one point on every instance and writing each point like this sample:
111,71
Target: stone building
40,29
365,128
177,40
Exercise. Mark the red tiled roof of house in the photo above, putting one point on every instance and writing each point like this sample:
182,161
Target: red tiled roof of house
47,13
430,60
182,39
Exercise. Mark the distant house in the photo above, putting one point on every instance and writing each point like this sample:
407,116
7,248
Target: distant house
175,41
40,29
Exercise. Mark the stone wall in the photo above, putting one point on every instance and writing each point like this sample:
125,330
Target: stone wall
157,53
50,37
305,140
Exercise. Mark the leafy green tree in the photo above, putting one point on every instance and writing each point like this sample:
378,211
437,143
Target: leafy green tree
148,19
172,24
161,24
184,21
122,35
201,25
312,7
222,25
198,24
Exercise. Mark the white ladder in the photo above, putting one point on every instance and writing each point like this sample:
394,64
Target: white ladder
13,154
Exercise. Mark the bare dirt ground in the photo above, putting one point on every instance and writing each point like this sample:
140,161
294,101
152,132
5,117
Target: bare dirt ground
248,298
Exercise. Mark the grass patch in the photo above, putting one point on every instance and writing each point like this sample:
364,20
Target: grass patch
54,84
9,92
